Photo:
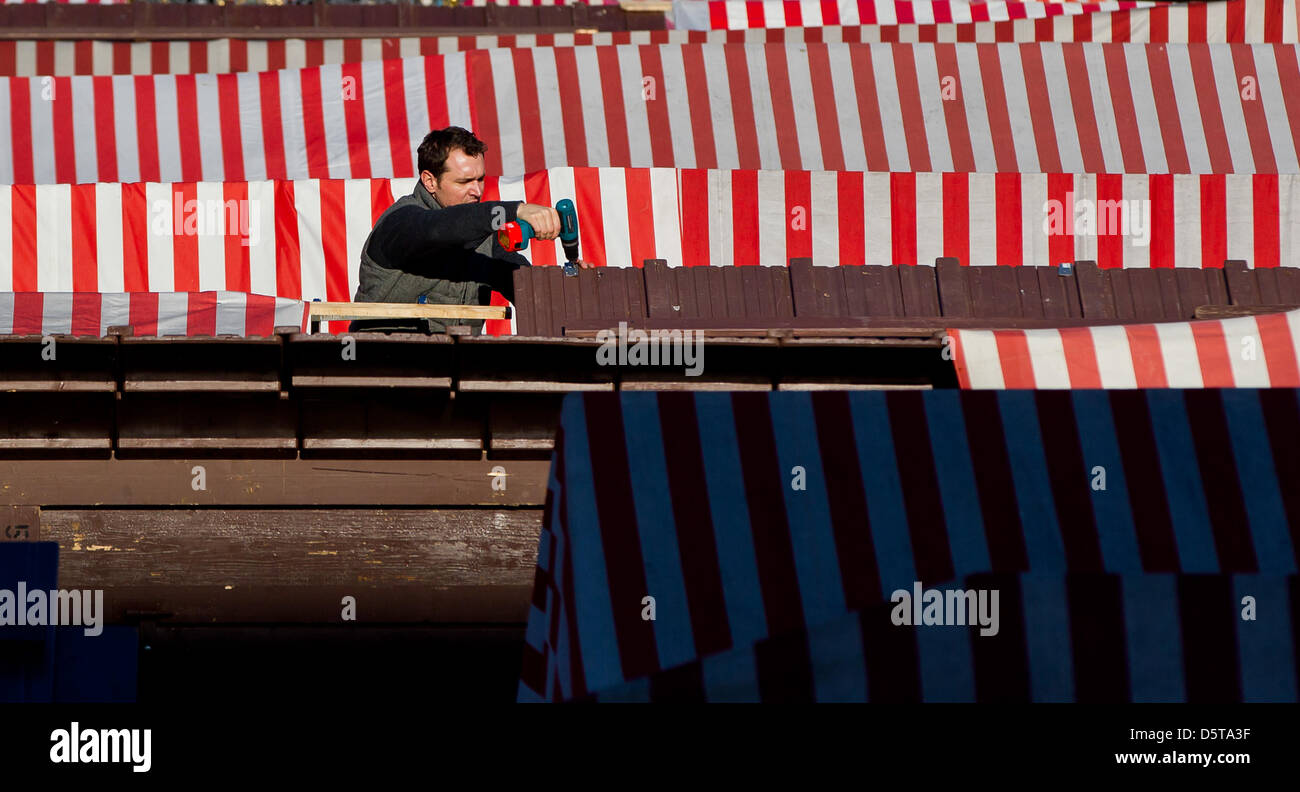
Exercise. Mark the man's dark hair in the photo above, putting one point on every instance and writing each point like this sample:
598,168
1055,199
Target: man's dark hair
439,143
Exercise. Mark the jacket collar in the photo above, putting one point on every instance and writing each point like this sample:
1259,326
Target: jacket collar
425,197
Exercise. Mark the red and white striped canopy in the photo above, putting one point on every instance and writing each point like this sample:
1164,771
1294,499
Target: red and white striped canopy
149,313
735,14
1245,352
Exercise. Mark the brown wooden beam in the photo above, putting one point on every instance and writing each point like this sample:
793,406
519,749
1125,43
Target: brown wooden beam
1230,311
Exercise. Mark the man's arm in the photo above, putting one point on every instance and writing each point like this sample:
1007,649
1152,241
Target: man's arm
407,236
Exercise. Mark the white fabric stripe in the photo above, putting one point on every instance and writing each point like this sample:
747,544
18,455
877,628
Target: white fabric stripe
673,93
1085,237
1047,354
53,242
372,93
25,58
846,108
1035,250
1178,351
141,59
162,274
334,94
977,115
108,238
979,350
1290,22
6,236
1189,111
891,112
6,313
258,56
825,219
552,114
1240,199
1103,109
561,183
613,201
295,143
124,128
1187,222
877,223
6,141
168,126
1230,107
769,152
457,90
56,313
1255,21
593,106
210,211
356,196
372,50
232,308
64,59
721,250
1144,104
114,309
668,235
310,238
1269,86
417,110
724,123
634,106
1058,92
332,50
1289,220
930,209
983,218
1114,357
42,108
936,124
811,156
210,138
180,57
1246,354
84,152
173,313
1022,127
250,125
295,54
507,103
774,219
261,256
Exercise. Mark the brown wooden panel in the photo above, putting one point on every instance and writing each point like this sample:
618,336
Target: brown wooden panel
548,300
955,287
636,296
1266,286
715,279
525,302
382,420
570,287
803,288
782,291
1288,284
609,294
1031,298
829,285
658,284
855,291
765,279
685,296
1196,288
884,291
1241,283
522,425
733,284
1122,290
20,523
1095,293
920,290
750,289
589,293
1143,286
1168,284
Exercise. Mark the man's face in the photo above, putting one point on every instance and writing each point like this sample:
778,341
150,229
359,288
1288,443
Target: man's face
461,183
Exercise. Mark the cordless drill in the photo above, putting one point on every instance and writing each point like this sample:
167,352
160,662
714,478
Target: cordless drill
514,236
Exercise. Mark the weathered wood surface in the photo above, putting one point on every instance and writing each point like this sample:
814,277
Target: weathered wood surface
266,483
297,564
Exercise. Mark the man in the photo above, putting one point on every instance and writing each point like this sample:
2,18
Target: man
440,241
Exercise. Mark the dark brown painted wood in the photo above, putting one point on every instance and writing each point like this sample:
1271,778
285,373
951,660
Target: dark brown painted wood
883,289
920,290
20,524
1241,283
1146,292
1230,311
955,297
782,291
525,300
803,289
658,284
1095,292
1288,285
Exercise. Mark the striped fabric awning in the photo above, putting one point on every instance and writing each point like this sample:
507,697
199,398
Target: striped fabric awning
1050,108
1244,352
302,240
733,14
206,313
1081,638
749,516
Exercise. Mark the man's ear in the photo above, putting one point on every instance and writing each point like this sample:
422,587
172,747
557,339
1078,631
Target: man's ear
429,182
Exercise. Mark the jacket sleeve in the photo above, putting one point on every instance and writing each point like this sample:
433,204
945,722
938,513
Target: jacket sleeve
405,238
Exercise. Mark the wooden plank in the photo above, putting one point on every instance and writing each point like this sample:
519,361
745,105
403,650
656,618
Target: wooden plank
1167,283
733,284
687,299
523,425
855,291
658,280
634,289
588,293
526,318
1193,287
884,291
377,420
1031,296
367,310
609,294
1266,286
1288,284
751,281
548,300
138,557
920,290
1232,311
1241,283
831,289
20,523
714,284
955,288
803,289
571,305
1006,290
1095,292
782,293
1144,287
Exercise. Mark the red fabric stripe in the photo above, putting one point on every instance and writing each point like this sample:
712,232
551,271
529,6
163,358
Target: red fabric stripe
591,241
1040,109
275,55
354,119
793,14
1288,69
693,193
65,155
482,106
82,58
1158,19
1060,247
575,135
1148,362
20,128
1261,144
1121,26
8,58
995,100
85,269
787,132
914,455
1236,21
611,84
313,121
1207,98
497,327
537,190
238,55
1212,352
86,309
272,131
873,130
160,54
390,49
656,108
45,58
435,83
105,131
1267,220
530,121
1013,351
381,197
1162,220
1085,114
29,313
798,198
288,256
852,233
902,214
202,318
144,313
121,57
640,215
1121,92
1080,357
909,99
187,114
399,139
199,57
236,240
1279,350
334,239
315,53
1010,235
963,156
742,107
352,50
1110,241
185,240
1214,220
232,143
259,315
828,122
1171,130
1196,21
744,217
956,216
136,214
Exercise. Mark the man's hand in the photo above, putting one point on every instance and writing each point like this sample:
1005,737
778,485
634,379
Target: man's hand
585,264
544,220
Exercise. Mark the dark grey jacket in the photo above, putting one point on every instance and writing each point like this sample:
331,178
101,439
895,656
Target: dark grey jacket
448,254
